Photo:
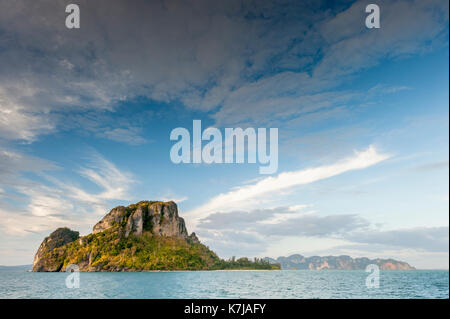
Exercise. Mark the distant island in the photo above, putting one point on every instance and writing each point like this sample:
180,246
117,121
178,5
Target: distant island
146,236
336,262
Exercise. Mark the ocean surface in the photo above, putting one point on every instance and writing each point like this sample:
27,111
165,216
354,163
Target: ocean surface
17,283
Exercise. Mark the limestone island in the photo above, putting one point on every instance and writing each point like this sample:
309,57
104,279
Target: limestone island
146,236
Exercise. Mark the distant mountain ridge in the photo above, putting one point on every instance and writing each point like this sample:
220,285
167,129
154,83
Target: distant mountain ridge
343,262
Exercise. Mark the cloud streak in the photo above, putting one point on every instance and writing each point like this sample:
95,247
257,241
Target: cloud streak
249,195
283,221
428,238
46,202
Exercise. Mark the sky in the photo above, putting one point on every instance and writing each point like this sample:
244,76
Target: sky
362,118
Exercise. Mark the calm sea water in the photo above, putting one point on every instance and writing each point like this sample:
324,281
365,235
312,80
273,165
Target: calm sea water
227,284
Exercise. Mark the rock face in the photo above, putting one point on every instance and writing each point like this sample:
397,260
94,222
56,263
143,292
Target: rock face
114,217
146,235
337,262
58,238
157,217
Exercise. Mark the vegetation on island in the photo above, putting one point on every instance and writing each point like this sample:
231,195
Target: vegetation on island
116,248
108,251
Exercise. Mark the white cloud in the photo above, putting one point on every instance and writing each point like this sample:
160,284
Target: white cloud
407,28
48,203
17,121
428,238
346,47
54,202
130,136
294,212
211,57
106,175
248,196
110,181
14,163
21,223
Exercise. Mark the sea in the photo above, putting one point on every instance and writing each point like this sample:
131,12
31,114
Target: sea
16,282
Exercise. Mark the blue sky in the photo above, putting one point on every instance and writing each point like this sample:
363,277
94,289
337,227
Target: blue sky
362,114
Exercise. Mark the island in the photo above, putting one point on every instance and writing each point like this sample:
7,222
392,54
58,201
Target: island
151,236
146,236
343,262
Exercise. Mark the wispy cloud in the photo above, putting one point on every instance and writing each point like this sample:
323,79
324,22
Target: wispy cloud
250,195
427,238
105,174
385,89
130,136
21,223
54,201
283,221
18,121
432,166
14,163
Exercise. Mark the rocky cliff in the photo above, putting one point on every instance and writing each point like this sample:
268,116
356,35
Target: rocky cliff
58,238
149,235
159,218
337,262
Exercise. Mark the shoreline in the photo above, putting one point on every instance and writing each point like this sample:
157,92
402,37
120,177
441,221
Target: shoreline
238,270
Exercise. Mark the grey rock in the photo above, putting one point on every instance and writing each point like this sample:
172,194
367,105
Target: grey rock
58,238
115,216
160,218
135,223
